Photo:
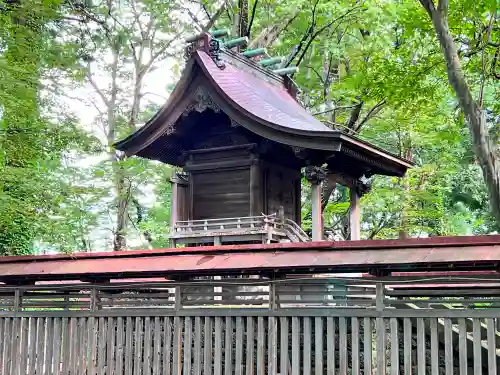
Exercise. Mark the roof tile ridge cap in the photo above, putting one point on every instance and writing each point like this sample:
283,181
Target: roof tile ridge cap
253,65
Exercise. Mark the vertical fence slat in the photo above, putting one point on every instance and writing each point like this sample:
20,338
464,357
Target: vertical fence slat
380,342
272,349
343,346
120,330
306,353
249,363
355,354
138,346
238,360
56,349
284,345
448,346
260,347
25,345
394,346
147,346
434,346
40,341
92,348
420,346
15,346
228,347
32,346
101,345
167,347
86,329
3,342
207,346
66,345
295,346
177,347
156,345
492,356
407,346
197,346
73,338
476,339
330,346
129,340
9,347
187,342
462,346
367,346
218,346
318,346
49,326
492,347
110,357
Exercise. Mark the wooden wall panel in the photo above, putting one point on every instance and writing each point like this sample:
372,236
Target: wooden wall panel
220,194
281,190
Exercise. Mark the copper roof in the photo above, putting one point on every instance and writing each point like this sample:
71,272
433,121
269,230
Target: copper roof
267,100
260,102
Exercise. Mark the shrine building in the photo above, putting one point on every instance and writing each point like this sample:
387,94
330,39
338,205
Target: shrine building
239,137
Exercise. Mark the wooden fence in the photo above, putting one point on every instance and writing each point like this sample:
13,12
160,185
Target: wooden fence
306,327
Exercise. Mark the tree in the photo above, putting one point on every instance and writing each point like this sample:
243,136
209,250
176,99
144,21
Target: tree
485,142
33,141
124,42
370,70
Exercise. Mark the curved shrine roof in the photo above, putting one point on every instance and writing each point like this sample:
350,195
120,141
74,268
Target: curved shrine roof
260,101
269,102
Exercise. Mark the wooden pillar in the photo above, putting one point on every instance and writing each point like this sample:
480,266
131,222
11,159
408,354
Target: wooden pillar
355,218
317,222
315,175
174,203
256,208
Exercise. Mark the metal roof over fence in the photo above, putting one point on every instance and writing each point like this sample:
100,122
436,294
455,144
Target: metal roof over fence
377,257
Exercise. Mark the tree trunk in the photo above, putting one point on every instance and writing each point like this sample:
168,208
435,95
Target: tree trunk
484,149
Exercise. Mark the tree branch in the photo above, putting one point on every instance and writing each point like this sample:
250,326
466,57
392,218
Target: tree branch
215,17
254,9
95,86
329,24
428,6
483,62
372,112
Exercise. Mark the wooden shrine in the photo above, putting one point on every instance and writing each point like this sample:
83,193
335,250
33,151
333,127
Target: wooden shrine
235,129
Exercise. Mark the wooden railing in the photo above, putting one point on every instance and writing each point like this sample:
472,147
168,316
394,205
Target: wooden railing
241,225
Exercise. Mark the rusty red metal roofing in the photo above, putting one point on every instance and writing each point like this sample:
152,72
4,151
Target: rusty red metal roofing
253,95
440,254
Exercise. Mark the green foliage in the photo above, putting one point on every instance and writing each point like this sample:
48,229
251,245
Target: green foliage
60,187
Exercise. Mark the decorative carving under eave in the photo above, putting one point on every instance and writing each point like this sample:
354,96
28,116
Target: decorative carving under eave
169,129
362,188
201,101
315,175
300,152
358,185
234,123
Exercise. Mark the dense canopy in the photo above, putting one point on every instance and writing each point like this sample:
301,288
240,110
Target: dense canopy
418,78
